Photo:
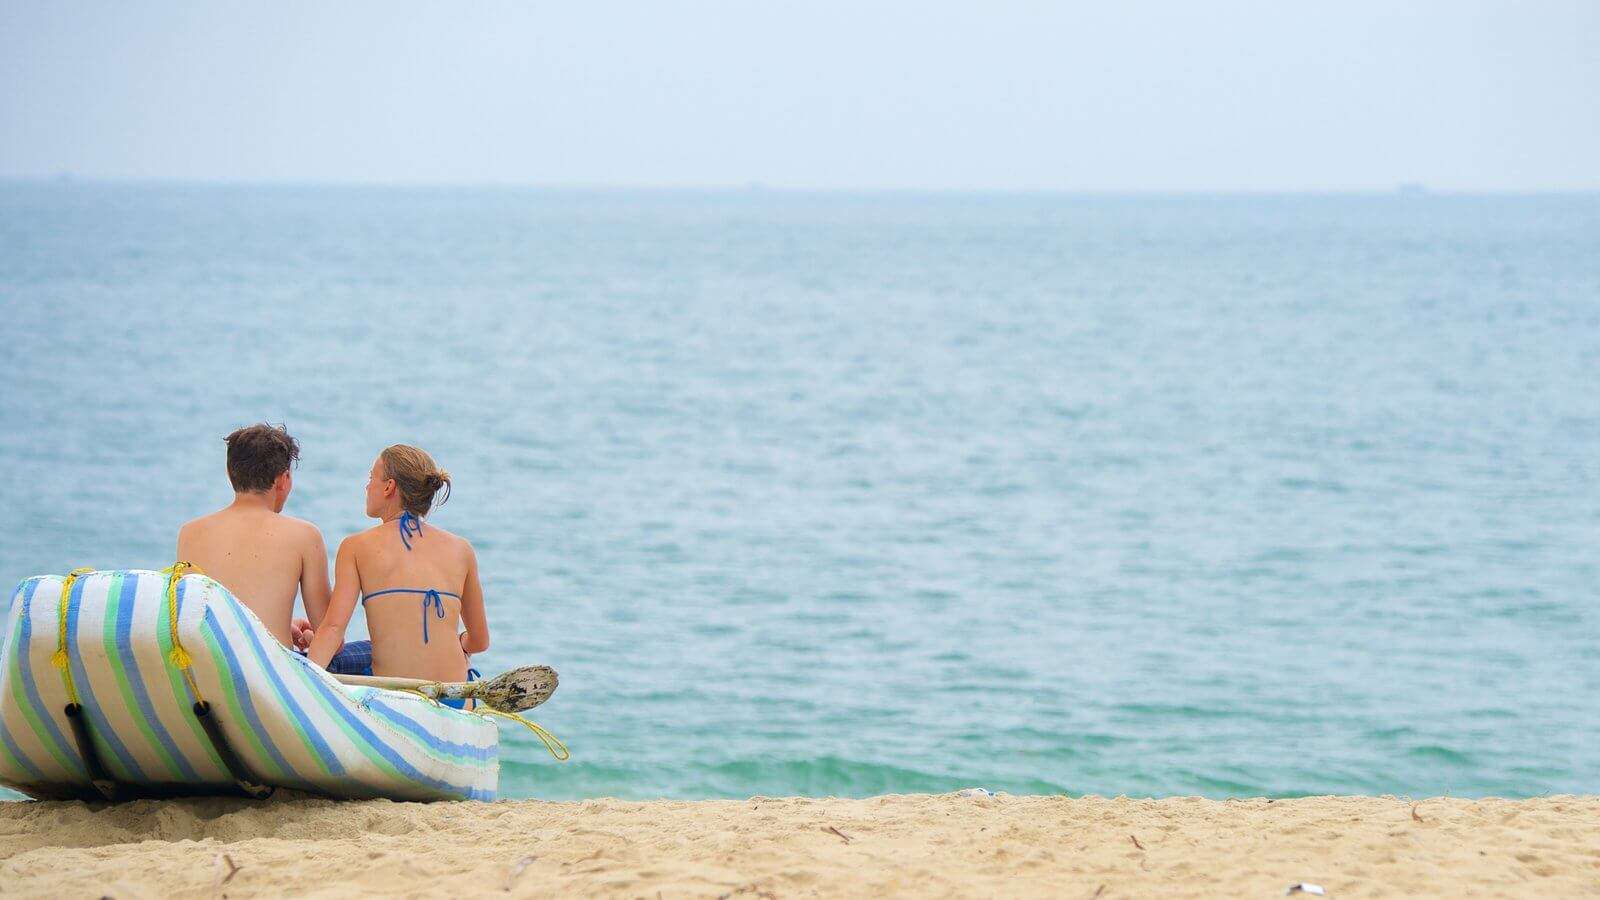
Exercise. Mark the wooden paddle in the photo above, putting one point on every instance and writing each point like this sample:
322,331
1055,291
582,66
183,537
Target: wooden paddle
511,692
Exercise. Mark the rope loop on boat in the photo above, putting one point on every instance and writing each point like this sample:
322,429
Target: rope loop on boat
179,657
59,658
550,741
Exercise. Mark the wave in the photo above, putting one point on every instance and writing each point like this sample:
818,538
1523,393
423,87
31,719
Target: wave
821,776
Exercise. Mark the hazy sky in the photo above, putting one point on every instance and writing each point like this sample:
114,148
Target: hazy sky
931,94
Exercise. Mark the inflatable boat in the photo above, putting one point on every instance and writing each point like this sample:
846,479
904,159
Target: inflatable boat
137,684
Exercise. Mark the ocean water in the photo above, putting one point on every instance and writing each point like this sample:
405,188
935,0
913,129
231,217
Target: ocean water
852,494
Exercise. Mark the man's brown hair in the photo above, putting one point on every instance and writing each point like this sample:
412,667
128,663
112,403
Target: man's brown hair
258,454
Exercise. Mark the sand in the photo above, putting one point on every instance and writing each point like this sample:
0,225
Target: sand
911,846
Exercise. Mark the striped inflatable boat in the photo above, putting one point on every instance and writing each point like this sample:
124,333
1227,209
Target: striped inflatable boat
138,683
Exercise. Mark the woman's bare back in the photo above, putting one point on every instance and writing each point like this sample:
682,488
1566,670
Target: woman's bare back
419,583
412,586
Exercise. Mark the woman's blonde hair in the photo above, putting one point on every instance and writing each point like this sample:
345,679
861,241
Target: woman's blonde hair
416,475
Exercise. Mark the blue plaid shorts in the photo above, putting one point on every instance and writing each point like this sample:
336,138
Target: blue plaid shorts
354,658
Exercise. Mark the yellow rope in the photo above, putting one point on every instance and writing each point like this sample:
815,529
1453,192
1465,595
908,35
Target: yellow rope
179,657
550,741
59,658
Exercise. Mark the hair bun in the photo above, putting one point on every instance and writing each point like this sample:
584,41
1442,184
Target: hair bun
417,476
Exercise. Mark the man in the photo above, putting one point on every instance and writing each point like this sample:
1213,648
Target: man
258,553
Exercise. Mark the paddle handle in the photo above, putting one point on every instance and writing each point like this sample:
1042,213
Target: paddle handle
452,689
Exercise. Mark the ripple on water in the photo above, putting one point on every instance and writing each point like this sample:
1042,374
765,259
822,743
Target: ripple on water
1179,711
1214,784
1314,484
1390,734
1435,753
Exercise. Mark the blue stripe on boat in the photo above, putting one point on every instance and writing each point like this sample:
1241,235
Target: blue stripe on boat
242,687
17,594
252,637
338,703
16,753
31,689
11,744
141,693
86,699
418,730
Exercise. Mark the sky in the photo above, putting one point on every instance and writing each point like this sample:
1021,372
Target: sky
940,95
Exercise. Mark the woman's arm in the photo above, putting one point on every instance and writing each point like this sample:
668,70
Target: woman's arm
476,638
341,606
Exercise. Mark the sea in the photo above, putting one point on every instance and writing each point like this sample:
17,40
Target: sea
862,493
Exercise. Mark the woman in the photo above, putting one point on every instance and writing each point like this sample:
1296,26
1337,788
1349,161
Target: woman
418,582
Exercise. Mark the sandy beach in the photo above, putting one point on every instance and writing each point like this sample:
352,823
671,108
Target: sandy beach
903,845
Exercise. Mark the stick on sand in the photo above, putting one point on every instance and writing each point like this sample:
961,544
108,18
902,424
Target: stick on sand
513,691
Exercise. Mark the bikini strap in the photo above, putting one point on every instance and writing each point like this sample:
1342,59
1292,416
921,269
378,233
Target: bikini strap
366,597
409,525
430,597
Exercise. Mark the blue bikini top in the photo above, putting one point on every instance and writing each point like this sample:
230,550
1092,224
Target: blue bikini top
412,525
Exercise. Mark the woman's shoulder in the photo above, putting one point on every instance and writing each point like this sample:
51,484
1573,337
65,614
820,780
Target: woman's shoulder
444,544
454,540
360,539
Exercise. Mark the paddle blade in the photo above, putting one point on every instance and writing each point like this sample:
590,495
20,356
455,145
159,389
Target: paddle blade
516,690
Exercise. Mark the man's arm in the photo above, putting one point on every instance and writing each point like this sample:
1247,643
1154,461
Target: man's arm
341,606
183,543
314,586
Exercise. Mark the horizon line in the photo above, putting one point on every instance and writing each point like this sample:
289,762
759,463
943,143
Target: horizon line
1406,188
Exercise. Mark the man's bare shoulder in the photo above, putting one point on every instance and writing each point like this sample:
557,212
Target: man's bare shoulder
200,523
301,527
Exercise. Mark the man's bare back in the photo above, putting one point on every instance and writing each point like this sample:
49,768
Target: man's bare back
263,557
